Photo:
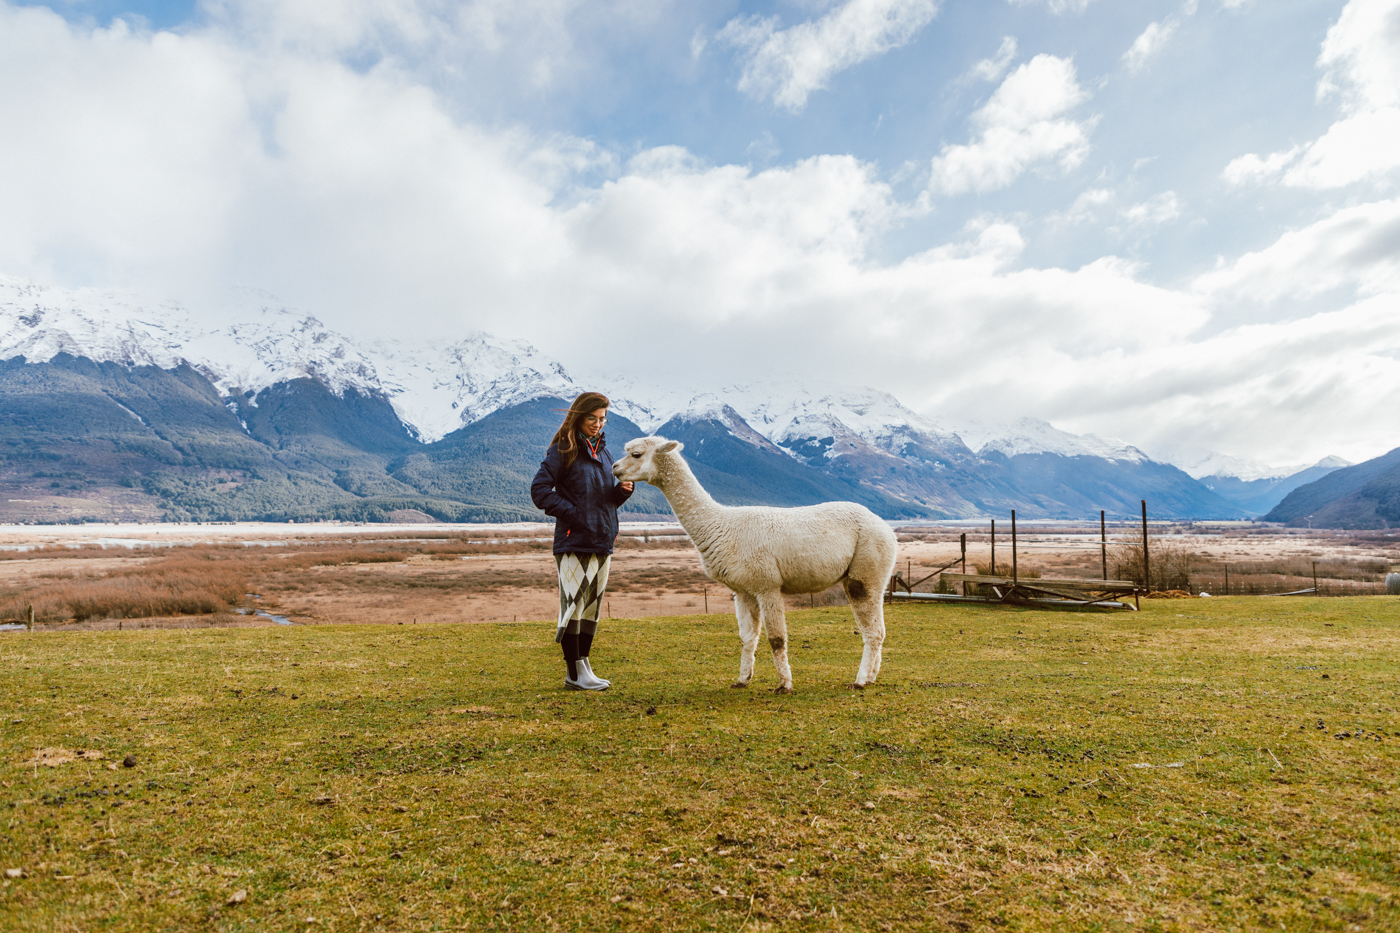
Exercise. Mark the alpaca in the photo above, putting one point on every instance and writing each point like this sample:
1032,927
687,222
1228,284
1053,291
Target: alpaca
762,553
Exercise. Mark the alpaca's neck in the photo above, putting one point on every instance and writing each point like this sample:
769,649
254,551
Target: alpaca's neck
694,507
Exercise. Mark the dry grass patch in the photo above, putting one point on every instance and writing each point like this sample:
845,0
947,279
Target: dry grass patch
179,583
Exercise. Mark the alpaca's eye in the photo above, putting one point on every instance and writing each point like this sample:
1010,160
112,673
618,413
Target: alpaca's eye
638,456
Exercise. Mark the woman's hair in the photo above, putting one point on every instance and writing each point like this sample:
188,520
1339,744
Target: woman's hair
567,435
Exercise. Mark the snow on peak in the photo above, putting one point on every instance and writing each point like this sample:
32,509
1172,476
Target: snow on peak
434,388
39,322
437,389
1033,436
787,412
1199,464
279,345
1213,463
1333,462
267,344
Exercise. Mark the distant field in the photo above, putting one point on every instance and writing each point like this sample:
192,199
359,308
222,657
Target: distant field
1201,765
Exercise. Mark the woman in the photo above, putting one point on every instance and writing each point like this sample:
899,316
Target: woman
575,485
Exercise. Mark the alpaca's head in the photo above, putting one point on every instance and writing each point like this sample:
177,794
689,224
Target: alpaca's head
640,463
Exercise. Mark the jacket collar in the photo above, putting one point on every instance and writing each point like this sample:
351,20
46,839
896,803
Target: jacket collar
594,446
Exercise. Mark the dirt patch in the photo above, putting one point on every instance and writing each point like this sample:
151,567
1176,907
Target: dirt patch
53,757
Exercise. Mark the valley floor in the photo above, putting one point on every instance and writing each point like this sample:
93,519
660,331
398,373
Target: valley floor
201,575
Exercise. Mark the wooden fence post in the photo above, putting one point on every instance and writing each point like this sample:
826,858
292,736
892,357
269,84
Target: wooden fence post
1146,571
962,542
1103,543
1013,547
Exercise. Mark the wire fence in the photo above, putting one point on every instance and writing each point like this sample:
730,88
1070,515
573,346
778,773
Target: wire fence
1115,552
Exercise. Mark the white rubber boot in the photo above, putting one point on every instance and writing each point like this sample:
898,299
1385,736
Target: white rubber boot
588,680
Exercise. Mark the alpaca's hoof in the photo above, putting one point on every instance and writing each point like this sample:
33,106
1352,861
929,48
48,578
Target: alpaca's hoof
782,689
857,686
739,684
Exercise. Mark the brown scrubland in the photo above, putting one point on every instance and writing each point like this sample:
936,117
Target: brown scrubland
228,575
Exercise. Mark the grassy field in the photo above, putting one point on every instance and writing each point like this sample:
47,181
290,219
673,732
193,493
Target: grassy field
1204,764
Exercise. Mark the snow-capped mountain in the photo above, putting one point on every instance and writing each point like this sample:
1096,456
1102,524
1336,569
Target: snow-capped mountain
434,389
266,344
1034,436
1200,464
788,414
1254,485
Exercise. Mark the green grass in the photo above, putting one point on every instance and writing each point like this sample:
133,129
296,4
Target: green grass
991,780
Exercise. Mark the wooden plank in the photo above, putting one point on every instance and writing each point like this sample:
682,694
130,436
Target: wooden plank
1090,585
1063,592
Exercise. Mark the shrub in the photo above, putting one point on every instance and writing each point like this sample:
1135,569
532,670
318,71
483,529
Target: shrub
177,584
1169,563
1003,569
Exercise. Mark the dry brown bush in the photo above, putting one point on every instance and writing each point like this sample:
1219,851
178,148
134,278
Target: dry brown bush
1004,570
178,584
77,552
1169,563
303,558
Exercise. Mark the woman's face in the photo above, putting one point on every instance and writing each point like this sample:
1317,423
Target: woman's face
592,424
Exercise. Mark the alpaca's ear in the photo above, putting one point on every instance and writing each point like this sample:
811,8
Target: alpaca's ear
669,446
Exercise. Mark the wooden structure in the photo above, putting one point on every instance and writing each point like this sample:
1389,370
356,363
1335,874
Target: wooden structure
1039,592
1055,594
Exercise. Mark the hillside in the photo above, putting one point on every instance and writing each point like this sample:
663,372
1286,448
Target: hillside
1363,496
99,441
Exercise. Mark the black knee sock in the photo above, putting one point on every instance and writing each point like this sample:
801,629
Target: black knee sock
585,641
571,655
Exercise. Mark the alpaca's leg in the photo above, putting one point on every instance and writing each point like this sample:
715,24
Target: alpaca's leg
746,611
869,609
774,615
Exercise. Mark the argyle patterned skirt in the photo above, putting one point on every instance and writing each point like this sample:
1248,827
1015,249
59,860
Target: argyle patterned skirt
582,579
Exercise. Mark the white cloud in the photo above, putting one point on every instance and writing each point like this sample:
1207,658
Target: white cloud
1158,209
1357,247
1022,125
1254,168
1361,58
991,69
1355,149
787,65
1058,7
172,163
1149,43
1362,55
1086,206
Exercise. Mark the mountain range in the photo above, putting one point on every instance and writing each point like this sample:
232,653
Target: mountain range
117,407
1362,496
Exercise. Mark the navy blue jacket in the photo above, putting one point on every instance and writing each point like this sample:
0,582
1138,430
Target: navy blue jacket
583,501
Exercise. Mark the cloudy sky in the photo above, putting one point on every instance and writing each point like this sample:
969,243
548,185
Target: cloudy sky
1174,222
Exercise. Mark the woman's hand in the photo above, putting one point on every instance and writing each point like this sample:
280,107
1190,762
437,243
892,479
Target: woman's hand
627,486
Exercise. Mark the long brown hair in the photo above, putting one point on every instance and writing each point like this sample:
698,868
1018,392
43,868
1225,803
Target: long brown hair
567,435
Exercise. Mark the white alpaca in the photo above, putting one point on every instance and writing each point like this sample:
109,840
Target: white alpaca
762,553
